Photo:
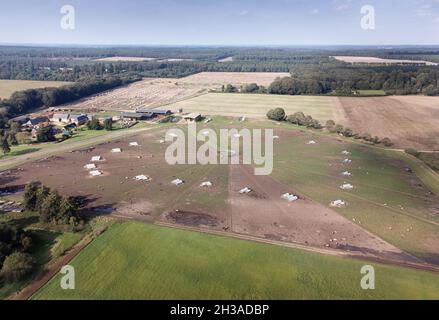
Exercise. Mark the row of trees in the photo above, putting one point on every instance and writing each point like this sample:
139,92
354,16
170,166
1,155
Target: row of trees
51,207
298,118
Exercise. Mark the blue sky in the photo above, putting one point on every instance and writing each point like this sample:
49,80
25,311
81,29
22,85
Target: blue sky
224,22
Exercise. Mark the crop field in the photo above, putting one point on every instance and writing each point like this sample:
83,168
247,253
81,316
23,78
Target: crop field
257,105
374,60
125,59
8,87
155,93
408,120
137,261
390,212
234,78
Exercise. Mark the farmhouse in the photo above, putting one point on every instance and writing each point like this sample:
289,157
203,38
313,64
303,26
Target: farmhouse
36,121
79,120
193,117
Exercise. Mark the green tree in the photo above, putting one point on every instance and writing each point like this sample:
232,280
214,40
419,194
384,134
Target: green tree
108,124
45,134
5,145
50,207
17,266
30,197
94,124
277,114
297,118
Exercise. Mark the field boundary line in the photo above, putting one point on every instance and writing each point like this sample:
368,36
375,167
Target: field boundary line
328,252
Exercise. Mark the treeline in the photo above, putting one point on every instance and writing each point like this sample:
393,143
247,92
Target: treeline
25,101
345,81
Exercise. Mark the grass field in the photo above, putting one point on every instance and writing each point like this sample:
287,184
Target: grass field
257,105
137,261
8,87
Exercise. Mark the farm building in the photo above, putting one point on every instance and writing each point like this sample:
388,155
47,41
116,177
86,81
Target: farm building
79,120
61,117
36,121
193,117
134,116
154,112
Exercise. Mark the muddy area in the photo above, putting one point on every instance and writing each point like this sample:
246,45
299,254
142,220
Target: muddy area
192,219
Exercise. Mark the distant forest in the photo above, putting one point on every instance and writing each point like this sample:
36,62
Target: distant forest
313,70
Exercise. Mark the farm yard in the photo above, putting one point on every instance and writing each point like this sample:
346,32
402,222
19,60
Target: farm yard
139,261
8,87
389,213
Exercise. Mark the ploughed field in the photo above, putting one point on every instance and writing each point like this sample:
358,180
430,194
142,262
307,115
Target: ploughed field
389,213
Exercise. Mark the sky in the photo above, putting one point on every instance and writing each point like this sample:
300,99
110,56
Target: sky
224,22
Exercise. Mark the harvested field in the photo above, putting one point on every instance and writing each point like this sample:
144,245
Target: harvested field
374,60
125,59
257,105
410,121
234,78
155,93
146,93
8,87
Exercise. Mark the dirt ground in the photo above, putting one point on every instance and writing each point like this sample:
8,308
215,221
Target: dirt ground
264,213
411,121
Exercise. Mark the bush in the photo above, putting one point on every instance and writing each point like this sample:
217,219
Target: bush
277,114
94,124
413,152
17,266
23,138
298,118
387,142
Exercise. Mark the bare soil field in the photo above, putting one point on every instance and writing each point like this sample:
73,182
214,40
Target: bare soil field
125,59
374,60
234,78
303,221
410,121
